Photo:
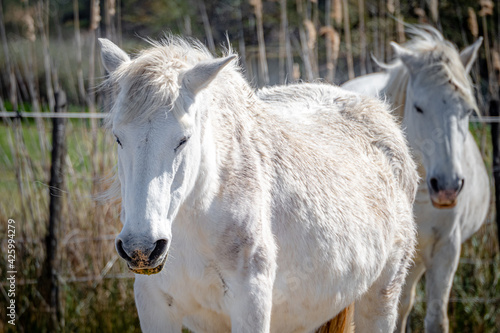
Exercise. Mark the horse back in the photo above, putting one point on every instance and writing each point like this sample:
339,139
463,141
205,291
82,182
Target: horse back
368,85
340,118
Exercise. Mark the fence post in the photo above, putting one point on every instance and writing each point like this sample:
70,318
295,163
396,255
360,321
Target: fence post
495,137
50,285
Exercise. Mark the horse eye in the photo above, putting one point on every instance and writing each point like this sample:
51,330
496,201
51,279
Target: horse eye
118,141
181,143
419,110
470,112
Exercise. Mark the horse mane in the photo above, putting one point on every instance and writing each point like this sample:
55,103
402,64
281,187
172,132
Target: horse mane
151,79
438,58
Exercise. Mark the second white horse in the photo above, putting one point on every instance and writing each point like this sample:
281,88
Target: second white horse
429,88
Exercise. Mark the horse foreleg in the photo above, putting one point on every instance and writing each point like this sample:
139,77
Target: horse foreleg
157,310
439,278
250,302
408,295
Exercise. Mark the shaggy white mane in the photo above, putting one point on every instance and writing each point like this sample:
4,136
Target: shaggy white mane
150,81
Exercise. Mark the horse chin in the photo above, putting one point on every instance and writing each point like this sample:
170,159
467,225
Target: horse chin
150,271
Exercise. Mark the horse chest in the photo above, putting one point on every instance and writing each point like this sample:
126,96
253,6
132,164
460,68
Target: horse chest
195,281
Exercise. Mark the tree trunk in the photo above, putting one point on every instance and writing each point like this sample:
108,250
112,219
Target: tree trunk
304,42
348,43
283,37
78,41
241,41
206,25
400,29
264,72
362,37
381,29
328,41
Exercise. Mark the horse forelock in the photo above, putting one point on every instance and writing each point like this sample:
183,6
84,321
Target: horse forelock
149,83
439,64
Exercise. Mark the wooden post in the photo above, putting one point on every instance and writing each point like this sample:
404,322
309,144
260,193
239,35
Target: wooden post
8,66
49,281
495,137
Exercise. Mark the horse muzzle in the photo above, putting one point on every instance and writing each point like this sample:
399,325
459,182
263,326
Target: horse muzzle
444,199
138,268
444,194
144,261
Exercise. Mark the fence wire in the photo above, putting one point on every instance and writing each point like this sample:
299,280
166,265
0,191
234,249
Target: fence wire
75,115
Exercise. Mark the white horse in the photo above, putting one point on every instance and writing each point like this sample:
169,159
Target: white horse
429,88
270,222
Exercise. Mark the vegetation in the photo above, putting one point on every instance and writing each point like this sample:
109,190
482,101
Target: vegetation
51,45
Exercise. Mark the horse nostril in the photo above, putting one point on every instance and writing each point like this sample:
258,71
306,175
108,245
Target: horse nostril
460,185
121,251
160,248
434,184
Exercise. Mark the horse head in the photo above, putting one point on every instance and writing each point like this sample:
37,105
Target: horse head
438,102
157,130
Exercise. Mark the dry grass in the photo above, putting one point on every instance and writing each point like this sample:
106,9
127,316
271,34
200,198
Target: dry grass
91,301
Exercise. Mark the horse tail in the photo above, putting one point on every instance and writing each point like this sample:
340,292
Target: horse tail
342,323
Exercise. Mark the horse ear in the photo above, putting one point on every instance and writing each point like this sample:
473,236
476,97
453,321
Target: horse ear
111,55
203,73
404,54
469,54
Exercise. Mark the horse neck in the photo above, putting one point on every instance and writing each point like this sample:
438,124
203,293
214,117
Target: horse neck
234,110
230,130
395,90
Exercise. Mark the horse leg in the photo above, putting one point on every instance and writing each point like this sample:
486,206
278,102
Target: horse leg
249,301
376,311
157,310
408,295
439,279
